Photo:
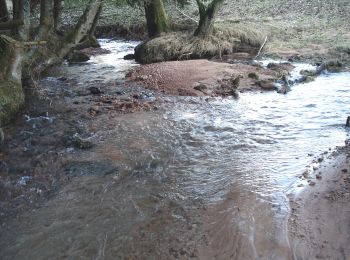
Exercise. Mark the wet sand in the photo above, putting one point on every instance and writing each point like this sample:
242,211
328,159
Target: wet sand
319,224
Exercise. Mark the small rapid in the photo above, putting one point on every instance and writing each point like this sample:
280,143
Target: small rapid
198,172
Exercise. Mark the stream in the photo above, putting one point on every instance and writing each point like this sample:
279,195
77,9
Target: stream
204,178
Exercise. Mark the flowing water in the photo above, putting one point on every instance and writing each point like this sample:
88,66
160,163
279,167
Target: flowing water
198,178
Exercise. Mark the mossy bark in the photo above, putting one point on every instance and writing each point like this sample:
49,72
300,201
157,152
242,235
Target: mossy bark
4,13
11,92
82,28
46,19
206,17
21,11
157,20
57,11
90,40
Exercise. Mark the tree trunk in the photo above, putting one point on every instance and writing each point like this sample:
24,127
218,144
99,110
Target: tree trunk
21,11
206,17
82,28
4,13
12,24
57,10
46,18
11,92
89,40
157,21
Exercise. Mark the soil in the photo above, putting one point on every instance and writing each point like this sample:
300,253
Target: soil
203,77
319,221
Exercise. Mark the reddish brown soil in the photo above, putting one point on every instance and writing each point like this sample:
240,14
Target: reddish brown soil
319,221
181,77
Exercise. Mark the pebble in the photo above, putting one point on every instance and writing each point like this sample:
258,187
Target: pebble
312,183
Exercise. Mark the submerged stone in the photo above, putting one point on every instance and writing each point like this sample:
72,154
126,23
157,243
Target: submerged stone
82,143
75,169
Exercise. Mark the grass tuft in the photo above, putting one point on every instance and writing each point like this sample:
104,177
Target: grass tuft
182,46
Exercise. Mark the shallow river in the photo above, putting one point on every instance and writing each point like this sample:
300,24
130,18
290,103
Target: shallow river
199,177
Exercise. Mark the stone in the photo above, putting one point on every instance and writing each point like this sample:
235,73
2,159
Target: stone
235,82
253,75
78,56
86,168
284,66
95,90
2,137
331,66
129,57
201,87
348,122
82,143
267,85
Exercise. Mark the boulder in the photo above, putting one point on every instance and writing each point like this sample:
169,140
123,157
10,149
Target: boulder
78,56
129,56
267,85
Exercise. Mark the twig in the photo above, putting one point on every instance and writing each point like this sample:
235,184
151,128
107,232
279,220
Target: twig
187,16
187,54
34,43
262,46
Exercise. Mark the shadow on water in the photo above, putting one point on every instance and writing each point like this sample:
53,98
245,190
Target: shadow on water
199,178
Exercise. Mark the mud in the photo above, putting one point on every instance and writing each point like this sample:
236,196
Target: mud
320,213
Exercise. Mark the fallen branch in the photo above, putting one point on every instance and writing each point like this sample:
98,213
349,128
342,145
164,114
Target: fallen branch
34,43
187,16
262,46
11,24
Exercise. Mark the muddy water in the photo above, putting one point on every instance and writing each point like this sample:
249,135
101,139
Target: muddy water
198,178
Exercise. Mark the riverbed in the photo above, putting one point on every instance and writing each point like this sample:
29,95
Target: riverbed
192,177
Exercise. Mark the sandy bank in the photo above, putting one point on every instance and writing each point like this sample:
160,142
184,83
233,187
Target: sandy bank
203,77
319,222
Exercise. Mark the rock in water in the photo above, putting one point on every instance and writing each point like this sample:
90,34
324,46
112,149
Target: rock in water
2,137
348,122
78,56
235,82
82,143
95,90
129,57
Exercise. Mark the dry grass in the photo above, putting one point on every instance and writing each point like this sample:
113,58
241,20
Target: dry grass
181,46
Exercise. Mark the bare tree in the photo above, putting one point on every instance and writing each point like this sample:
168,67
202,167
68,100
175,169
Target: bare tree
207,14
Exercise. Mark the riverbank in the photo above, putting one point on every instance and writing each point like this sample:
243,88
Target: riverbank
166,181
320,213
310,31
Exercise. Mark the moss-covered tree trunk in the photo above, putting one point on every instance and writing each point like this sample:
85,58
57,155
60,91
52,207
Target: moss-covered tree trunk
207,16
57,11
46,19
83,28
21,12
4,13
90,40
157,20
11,92
22,60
